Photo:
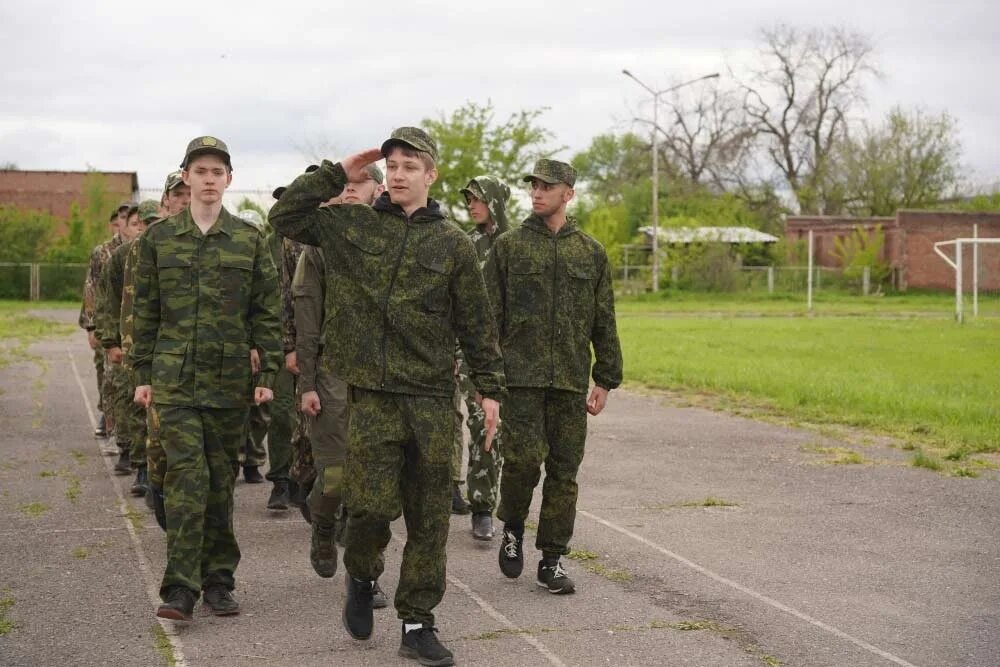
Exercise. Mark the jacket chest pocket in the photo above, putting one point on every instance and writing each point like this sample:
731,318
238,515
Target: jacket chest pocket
365,252
527,287
174,274
579,278
235,280
169,357
433,278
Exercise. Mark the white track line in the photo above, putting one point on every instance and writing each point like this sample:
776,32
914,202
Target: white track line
152,589
752,593
490,611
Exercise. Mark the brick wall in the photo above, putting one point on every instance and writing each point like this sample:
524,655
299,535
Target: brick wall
55,191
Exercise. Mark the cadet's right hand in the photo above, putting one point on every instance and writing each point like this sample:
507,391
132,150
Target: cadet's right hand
115,355
354,165
292,363
143,395
310,403
92,339
254,361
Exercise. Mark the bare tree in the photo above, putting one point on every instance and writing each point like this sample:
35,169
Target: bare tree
800,101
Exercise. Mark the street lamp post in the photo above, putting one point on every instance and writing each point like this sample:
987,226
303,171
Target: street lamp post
656,165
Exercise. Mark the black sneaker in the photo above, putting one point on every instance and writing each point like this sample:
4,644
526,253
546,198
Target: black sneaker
422,645
101,430
179,605
482,526
141,483
511,554
279,497
458,504
554,578
357,616
379,599
251,475
220,601
124,465
323,551
154,501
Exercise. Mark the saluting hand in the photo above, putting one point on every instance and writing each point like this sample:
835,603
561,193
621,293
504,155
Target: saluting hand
354,165
491,420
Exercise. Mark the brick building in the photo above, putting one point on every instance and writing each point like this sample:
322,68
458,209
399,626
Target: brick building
54,192
909,244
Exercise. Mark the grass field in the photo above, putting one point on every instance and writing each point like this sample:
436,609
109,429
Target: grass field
19,328
923,378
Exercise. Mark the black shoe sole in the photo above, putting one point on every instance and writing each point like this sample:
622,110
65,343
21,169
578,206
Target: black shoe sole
172,614
412,654
347,626
220,612
482,538
379,604
138,492
561,591
278,507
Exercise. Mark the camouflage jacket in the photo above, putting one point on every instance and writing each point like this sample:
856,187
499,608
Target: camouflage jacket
92,283
553,300
109,310
309,293
400,290
290,253
201,303
126,322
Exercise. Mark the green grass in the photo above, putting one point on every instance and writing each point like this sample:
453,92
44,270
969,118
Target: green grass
18,329
33,510
922,460
927,380
710,501
6,603
162,645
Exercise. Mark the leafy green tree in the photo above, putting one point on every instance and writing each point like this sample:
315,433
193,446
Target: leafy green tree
24,234
472,142
862,249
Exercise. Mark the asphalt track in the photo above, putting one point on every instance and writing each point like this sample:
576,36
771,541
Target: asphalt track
814,565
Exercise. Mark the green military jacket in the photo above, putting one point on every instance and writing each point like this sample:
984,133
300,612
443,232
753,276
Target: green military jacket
553,301
201,303
309,295
108,313
92,284
400,290
495,196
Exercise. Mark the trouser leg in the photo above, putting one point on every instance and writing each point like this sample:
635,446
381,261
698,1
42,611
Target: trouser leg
566,433
281,427
525,448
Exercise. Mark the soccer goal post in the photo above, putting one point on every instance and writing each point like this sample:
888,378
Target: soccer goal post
975,242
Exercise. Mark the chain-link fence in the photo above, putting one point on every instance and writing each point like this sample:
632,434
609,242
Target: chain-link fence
42,282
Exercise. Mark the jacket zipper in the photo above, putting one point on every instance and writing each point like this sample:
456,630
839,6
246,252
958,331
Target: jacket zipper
552,321
388,293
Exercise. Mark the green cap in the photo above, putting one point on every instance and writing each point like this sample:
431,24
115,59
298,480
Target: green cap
473,189
202,145
125,205
413,137
375,173
551,172
173,180
149,209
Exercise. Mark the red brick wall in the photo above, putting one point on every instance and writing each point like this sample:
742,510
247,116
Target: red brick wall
54,191
925,228
827,229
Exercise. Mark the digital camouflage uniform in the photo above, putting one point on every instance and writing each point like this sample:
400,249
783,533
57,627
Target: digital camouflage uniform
202,302
91,292
400,291
483,477
553,300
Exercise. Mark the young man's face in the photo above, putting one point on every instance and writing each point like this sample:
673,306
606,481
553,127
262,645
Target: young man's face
132,227
177,199
361,193
119,221
548,198
478,209
408,179
208,177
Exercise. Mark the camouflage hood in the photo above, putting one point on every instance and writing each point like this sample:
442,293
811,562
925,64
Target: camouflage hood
496,194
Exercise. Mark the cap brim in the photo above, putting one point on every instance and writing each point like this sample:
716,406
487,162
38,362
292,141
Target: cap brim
278,192
206,151
389,143
527,178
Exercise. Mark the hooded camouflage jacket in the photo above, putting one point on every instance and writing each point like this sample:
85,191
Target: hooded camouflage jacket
495,195
553,300
108,312
201,303
400,290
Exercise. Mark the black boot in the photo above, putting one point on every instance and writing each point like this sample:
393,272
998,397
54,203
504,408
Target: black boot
422,644
220,601
482,526
101,430
358,618
279,497
251,475
141,483
458,504
179,605
124,465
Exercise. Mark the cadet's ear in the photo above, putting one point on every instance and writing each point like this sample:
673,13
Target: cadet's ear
185,177
431,177
568,194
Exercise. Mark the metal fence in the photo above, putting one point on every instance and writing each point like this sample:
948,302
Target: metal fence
42,282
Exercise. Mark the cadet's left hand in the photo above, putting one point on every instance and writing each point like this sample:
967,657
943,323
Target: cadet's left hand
262,395
115,355
254,361
597,400
292,363
491,420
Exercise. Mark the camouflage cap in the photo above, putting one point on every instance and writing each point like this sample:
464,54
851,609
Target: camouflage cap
375,173
551,172
149,210
202,145
173,180
125,205
413,137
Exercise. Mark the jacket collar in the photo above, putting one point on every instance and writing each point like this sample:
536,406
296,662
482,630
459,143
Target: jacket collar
428,213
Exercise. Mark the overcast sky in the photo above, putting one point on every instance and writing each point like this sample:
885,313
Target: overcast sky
123,86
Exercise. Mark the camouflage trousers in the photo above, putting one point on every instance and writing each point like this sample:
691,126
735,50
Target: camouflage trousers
156,459
328,433
277,421
399,462
130,419
117,380
200,448
543,426
483,475
99,368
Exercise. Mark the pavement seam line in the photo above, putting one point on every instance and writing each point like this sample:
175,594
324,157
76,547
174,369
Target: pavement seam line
748,591
176,646
493,613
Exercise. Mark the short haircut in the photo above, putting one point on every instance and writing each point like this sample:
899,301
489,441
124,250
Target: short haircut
424,157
